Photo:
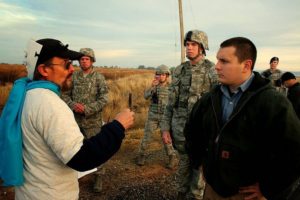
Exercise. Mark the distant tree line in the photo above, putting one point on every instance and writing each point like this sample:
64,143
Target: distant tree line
144,67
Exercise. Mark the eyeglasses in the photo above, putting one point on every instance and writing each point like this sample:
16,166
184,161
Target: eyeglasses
67,64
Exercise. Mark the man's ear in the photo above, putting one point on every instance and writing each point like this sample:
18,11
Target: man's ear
248,65
43,70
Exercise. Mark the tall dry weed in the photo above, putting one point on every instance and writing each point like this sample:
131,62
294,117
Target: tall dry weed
118,97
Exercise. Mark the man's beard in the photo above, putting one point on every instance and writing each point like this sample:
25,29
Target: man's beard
86,68
66,84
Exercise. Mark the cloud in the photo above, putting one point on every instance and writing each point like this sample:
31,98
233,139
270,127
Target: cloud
13,15
134,32
115,53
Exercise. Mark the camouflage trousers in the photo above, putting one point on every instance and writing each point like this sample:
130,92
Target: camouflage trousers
151,127
88,133
189,181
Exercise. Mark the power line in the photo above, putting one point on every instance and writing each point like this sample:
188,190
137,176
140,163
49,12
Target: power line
192,13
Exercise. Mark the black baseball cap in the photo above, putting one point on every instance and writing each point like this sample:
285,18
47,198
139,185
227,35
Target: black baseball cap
55,48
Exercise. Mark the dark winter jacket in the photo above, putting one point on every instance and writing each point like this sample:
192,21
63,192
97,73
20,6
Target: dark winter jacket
259,143
294,97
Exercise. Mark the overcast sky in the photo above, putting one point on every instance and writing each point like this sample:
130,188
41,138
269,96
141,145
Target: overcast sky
130,33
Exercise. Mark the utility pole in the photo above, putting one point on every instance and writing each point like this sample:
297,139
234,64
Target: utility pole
181,31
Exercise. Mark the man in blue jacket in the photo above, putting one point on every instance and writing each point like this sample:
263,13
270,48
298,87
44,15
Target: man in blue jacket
244,133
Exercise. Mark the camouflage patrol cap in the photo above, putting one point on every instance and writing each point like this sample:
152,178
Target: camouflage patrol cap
162,69
88,52
197,36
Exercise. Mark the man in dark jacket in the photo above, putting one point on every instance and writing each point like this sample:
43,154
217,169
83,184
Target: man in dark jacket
244,133
289,80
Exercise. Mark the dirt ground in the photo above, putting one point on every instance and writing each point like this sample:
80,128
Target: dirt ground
124,180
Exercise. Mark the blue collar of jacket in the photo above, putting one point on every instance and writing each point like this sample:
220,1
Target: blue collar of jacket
43,84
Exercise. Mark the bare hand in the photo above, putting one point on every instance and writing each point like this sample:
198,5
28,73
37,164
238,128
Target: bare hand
79,108
166,137
126,118
252,192
155,82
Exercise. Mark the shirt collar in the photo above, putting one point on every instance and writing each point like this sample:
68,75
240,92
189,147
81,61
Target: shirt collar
243,87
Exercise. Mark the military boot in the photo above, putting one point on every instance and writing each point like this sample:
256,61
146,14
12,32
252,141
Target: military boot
141,160
172,162
98,184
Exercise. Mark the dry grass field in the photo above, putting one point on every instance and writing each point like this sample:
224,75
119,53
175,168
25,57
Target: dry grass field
117,73
10,73
119,91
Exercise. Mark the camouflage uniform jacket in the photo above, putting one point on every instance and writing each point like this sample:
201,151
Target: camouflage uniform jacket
275,79
273,76
159,98
90,90
189,83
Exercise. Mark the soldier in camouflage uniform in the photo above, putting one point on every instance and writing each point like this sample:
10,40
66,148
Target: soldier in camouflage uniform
87,97
190,80
274,75
158,94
